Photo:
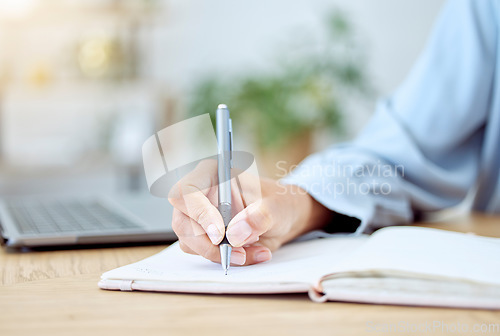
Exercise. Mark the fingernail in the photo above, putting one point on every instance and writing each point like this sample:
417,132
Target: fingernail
251,241
238,258
262,256
213,233
238,233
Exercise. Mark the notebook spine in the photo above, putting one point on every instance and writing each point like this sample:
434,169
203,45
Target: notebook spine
126,285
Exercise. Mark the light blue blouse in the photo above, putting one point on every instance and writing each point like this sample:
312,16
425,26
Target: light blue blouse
431,142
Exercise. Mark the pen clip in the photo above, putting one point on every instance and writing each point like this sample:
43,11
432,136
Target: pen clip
231,143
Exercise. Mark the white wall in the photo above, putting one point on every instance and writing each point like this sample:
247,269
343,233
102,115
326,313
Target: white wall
229,36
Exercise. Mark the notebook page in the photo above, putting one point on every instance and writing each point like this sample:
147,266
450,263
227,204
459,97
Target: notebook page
424,252
299,262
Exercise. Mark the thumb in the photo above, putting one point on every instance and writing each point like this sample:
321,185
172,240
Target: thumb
253,221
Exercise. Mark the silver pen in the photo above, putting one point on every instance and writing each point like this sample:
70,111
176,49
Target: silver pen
224,162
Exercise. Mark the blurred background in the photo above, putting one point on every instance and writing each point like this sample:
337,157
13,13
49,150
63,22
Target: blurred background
84,82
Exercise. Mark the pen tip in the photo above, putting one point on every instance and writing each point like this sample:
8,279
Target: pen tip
225,272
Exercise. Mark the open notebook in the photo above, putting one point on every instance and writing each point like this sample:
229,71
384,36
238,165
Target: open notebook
395,265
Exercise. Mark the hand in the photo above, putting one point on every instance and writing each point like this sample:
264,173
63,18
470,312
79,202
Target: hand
266,214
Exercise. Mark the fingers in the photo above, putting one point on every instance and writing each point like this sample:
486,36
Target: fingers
193,240
250,255
256,254
199,244
190,196
199,225
246,227
202,211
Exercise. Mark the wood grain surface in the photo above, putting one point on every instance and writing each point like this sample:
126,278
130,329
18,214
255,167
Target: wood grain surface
56,293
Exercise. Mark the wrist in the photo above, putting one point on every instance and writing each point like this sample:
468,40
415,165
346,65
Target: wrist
311,214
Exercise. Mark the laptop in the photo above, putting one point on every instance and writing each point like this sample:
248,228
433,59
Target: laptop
76,221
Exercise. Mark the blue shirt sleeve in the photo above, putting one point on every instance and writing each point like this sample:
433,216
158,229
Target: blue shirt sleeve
421,150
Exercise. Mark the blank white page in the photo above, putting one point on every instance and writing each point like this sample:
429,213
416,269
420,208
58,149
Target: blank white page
428,253
298,262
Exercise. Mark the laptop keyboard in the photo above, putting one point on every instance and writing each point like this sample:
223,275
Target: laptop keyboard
62,217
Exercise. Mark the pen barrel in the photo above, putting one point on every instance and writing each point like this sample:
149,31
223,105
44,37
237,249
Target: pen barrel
225,212
224,174
224,154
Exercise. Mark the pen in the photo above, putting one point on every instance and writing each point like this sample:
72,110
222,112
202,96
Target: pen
224,162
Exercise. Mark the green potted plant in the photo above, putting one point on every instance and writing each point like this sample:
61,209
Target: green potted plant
309,91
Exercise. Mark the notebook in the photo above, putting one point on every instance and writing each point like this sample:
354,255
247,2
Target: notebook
395,265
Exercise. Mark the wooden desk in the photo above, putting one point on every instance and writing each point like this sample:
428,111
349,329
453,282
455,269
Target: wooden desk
56,293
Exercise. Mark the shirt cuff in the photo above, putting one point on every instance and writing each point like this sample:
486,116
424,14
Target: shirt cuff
337,193
354,184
